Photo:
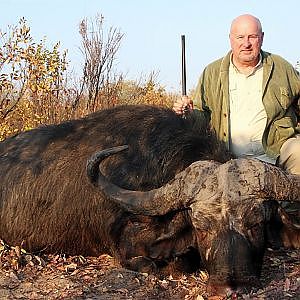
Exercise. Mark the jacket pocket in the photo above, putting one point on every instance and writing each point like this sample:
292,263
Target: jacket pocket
281,130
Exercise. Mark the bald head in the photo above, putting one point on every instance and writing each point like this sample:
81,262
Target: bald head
246,21
246,39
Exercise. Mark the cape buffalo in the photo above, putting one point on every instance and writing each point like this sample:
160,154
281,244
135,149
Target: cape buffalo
47,202
59,194
235,212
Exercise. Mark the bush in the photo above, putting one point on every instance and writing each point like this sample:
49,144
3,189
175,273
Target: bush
33,80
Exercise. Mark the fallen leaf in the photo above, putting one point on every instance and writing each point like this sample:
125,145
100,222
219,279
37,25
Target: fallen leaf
287,285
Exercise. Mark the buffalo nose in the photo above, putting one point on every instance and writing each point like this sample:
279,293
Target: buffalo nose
224,291
231,290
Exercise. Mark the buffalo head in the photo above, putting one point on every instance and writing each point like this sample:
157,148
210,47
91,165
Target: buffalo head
234,210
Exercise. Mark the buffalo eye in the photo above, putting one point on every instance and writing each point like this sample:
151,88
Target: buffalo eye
204,238
202,235
256,233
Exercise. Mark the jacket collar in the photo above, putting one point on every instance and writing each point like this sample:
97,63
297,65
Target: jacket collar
268,66
224,75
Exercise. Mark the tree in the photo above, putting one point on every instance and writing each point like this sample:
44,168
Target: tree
31,80
99,56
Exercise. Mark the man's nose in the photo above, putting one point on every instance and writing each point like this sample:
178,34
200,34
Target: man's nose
246,42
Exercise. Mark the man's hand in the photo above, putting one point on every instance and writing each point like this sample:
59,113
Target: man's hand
183,104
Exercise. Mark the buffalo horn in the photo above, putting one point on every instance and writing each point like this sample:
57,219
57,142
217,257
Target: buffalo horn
93,162
281,185
155,202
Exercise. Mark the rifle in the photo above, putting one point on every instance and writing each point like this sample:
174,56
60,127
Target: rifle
183,66
183,74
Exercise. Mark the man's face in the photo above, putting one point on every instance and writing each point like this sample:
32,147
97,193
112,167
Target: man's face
246,40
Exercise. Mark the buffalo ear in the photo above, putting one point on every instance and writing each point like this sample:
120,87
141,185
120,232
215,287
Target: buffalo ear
273,224
290,231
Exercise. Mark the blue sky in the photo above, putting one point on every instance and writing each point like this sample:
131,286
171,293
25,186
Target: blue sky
152,31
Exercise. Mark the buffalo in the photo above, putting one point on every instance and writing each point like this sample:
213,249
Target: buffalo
170,191
234,210
47,202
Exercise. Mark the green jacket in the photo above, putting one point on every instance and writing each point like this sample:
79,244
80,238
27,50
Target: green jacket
281,93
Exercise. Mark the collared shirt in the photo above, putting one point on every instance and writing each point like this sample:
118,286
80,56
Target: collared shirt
247,114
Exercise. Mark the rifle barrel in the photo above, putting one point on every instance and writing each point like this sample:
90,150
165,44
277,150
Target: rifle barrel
183,66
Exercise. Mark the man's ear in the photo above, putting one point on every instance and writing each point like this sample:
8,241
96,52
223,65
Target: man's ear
262,37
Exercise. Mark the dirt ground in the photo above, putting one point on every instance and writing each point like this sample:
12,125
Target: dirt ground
27,276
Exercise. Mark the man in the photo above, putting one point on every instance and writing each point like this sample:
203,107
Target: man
251,99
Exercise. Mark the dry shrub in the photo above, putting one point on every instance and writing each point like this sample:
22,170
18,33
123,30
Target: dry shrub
145,91
34,87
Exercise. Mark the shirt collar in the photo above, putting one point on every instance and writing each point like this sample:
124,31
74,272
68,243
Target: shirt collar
257,66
